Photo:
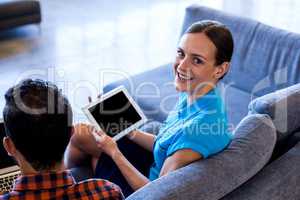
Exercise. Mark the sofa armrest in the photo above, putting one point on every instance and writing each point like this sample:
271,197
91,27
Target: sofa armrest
215,177
283,107
279,180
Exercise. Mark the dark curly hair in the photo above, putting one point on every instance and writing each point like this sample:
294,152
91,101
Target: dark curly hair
38,119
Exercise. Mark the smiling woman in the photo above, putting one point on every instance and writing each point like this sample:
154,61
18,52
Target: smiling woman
187,135
203,57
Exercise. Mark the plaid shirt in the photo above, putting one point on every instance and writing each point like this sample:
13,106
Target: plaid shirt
61,186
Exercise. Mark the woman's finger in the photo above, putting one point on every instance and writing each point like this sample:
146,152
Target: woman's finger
100,133
96,136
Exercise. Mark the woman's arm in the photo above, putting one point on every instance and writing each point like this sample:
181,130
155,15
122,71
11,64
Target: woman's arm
179,159
144,139
134,178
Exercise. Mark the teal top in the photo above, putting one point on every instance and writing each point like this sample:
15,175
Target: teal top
201,126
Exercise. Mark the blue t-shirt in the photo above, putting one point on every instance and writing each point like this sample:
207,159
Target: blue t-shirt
201,126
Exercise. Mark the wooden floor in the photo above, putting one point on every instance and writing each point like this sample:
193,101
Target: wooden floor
78,43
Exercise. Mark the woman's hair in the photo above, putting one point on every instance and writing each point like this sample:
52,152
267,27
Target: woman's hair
220,36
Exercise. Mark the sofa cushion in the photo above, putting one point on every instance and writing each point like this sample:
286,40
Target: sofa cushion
236,103
277,181
283,106
213,178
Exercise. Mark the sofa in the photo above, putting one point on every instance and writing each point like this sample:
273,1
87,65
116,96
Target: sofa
18,13
262,98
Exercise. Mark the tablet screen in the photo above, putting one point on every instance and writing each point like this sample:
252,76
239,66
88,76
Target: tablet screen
115,114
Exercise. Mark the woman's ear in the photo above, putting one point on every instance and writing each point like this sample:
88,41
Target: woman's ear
9,146
221,70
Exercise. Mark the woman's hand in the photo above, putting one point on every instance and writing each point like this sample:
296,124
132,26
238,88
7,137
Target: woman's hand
106,143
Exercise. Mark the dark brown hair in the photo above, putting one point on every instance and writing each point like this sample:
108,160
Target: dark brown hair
220,36
41,137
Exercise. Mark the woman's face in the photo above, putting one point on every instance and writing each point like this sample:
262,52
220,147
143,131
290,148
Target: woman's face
194,66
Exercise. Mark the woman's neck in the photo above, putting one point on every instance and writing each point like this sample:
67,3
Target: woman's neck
199,93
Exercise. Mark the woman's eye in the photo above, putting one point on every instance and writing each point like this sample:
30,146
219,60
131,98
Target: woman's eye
180,54
197,61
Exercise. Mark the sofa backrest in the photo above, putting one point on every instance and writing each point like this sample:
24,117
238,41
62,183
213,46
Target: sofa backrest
265,58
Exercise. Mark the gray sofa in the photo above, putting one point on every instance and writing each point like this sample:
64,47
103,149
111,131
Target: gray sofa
19,13
263,160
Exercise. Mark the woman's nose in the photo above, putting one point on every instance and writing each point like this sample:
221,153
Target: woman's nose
183,64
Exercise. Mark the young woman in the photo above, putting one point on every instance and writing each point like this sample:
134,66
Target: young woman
194,130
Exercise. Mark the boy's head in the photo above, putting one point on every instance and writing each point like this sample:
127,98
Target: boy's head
38,121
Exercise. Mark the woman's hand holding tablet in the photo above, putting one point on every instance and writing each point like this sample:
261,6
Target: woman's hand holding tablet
107,144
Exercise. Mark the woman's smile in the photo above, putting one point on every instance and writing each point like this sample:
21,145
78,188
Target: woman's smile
184,77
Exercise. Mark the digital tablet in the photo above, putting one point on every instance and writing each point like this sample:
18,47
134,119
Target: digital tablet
115,113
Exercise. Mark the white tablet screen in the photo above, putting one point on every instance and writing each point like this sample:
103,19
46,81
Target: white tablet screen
115,114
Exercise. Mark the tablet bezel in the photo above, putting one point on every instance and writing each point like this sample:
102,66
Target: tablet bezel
108,95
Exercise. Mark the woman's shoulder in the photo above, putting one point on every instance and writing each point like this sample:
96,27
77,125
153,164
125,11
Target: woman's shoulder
211,122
